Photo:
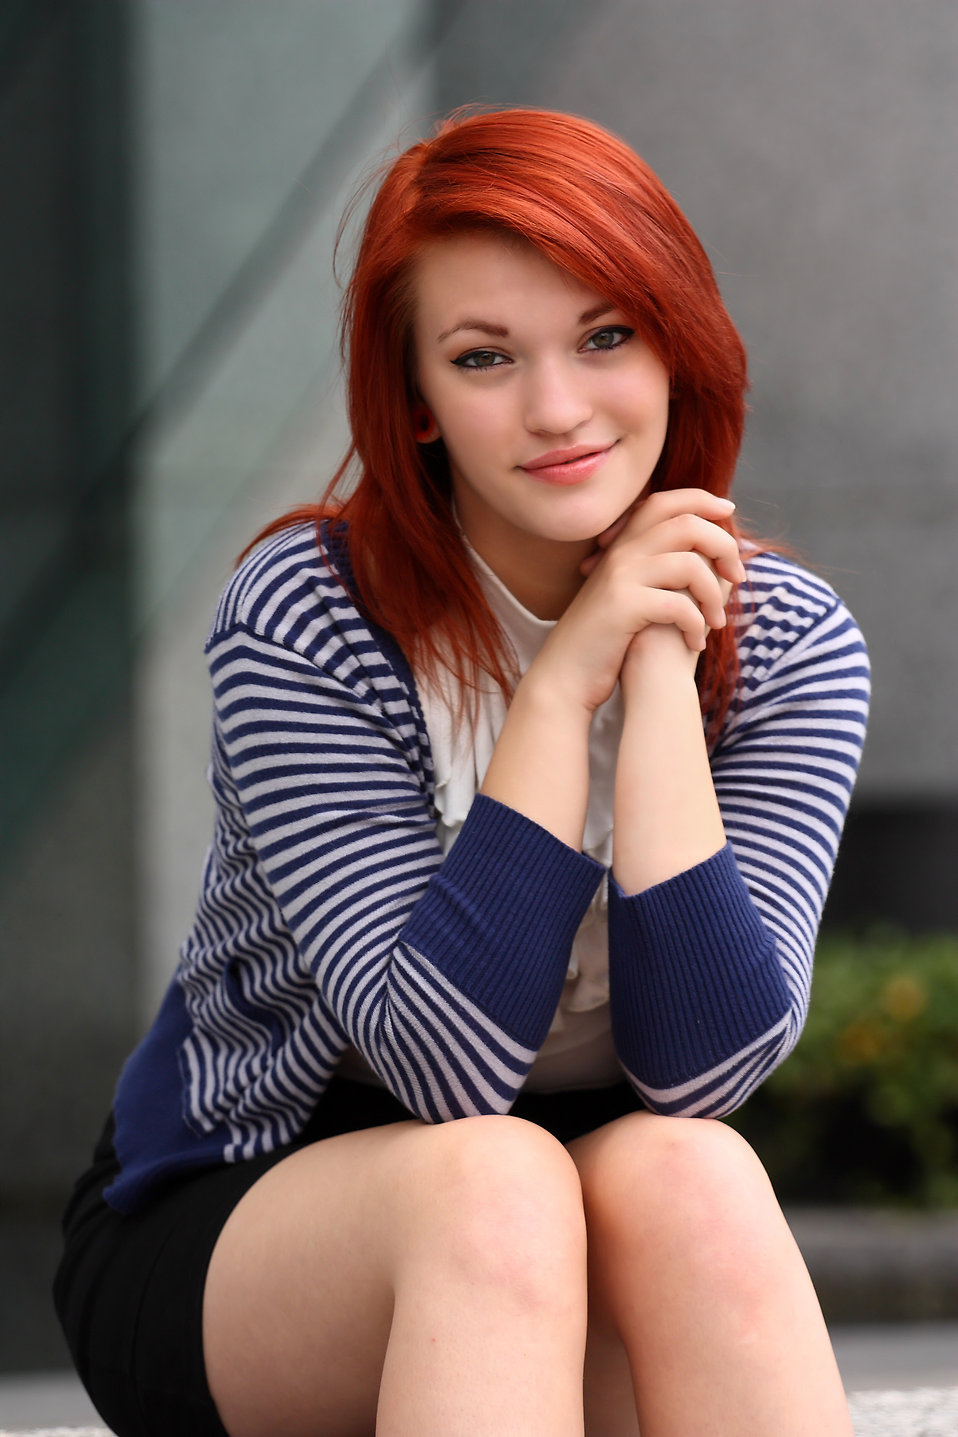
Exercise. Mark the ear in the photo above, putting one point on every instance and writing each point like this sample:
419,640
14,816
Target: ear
427,430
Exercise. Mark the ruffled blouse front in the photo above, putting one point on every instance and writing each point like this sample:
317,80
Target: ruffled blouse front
578,1051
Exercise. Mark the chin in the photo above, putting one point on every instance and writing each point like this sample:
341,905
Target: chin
586,530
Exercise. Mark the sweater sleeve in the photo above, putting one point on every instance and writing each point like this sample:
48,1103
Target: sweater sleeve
710,972
343,921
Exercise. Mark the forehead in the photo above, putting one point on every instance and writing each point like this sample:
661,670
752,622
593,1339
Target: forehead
500,273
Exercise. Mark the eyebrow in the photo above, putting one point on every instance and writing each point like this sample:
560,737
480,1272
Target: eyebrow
499,331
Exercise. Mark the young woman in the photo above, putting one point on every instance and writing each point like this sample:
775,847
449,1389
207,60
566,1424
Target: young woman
529,773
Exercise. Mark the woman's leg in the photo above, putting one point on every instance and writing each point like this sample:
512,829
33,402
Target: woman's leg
406,1280
692,1265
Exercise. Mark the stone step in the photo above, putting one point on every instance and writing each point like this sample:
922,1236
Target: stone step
924,1412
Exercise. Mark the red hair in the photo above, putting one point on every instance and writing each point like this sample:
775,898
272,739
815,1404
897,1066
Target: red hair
588,203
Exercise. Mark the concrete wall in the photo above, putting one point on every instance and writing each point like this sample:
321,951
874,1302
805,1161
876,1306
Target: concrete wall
812,146
236,130
248,153
67,877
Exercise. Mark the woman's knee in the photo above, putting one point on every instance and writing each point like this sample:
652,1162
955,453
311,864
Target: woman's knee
692,1184
499,1199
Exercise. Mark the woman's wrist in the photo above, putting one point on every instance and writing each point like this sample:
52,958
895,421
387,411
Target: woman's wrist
540,765
553,687
667,818
658,656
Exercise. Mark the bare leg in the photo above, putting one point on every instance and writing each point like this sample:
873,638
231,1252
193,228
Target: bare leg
692,1264
408,1280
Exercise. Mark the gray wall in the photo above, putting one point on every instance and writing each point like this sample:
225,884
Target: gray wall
202,148
241,185
813,147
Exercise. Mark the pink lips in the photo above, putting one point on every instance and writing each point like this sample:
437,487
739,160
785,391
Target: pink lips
566,466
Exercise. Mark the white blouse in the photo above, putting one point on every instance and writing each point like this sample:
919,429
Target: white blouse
578,1051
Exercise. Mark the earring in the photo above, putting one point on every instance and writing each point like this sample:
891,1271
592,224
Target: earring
426,427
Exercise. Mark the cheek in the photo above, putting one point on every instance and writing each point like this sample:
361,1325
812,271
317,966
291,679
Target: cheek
650,419
648,397
474,428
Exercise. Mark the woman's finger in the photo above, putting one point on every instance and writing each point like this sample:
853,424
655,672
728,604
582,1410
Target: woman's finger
666,606
690,533
666,504
681,573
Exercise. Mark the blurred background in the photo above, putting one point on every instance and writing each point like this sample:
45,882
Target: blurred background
172,173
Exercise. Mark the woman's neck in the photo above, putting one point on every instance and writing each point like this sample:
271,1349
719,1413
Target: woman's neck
543,574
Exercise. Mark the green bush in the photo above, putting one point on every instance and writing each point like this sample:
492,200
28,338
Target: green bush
866,1108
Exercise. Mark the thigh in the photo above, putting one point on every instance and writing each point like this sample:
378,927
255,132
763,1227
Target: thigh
299,1296
406,1238
129,1288
129,1295
299,1292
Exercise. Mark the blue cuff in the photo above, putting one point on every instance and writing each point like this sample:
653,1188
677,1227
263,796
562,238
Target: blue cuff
694,974
500,915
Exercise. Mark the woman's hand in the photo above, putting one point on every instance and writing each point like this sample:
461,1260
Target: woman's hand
662,644
667,563
667,817
659,581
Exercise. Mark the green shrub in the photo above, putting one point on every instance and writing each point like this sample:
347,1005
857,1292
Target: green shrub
866,1108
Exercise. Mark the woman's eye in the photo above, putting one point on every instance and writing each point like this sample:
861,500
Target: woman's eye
480,359
609,338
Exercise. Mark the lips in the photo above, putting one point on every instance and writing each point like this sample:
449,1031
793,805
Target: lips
567,466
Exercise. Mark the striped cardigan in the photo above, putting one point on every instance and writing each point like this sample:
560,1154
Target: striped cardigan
328,917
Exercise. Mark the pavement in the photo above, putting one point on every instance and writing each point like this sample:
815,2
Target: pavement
902,1379
873,1265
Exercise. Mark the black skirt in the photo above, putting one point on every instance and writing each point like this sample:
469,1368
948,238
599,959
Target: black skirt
129,1289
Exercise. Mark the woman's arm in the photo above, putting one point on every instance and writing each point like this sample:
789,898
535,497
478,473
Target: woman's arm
328,913
710,969
710,955
666,575
667,817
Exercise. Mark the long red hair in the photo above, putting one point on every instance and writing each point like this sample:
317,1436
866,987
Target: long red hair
595,209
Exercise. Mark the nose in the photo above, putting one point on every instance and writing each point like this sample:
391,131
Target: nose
557,400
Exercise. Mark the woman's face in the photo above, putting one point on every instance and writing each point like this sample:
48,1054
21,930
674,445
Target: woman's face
552,409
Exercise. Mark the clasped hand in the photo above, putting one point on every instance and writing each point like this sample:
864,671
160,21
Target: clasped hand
667,564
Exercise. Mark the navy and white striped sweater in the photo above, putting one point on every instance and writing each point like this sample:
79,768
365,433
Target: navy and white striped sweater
328,917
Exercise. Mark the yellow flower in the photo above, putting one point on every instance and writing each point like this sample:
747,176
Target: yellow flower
860,1043
904,997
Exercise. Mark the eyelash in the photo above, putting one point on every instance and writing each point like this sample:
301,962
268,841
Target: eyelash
622,331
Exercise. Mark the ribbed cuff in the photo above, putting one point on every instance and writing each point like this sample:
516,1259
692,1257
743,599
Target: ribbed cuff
500,915
694,975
